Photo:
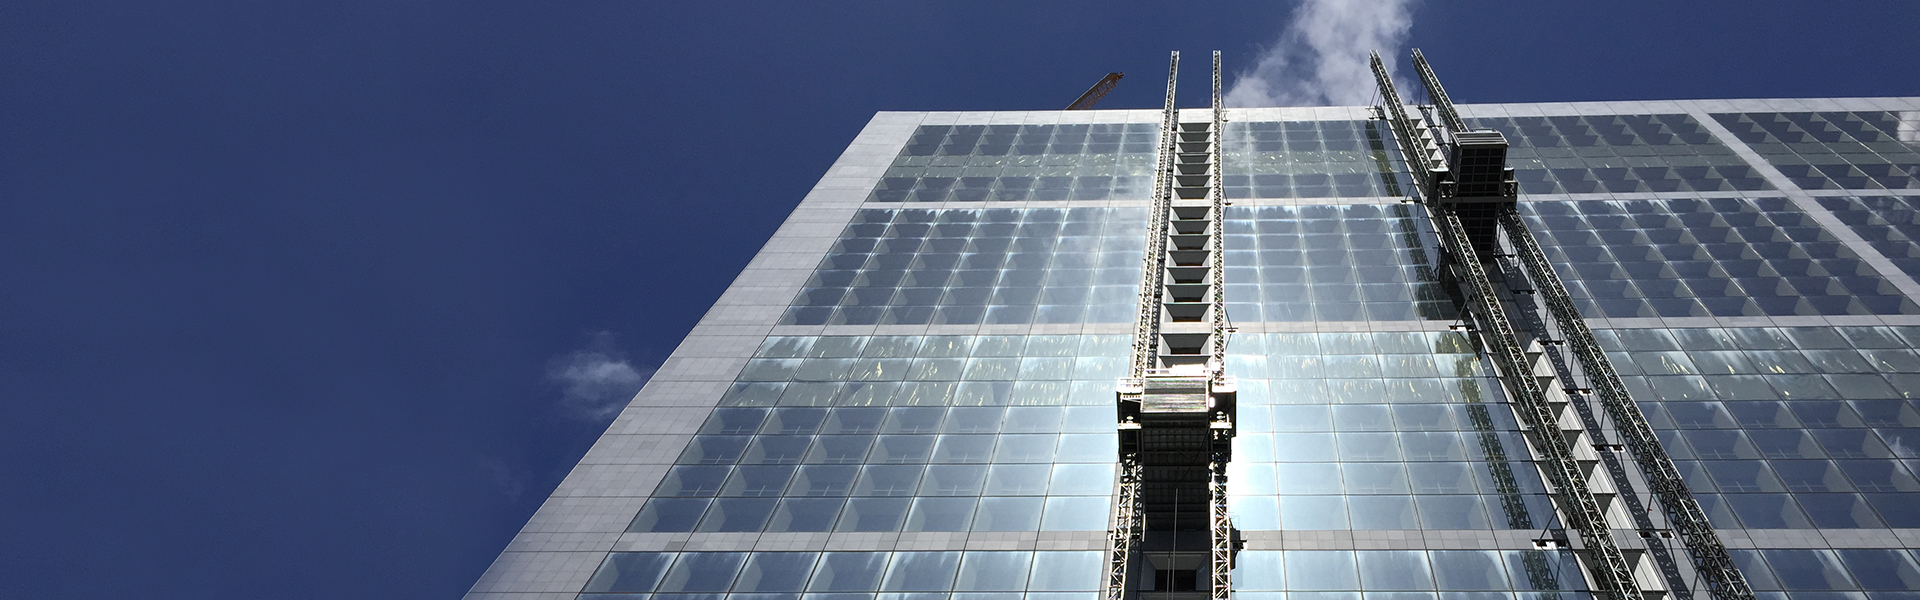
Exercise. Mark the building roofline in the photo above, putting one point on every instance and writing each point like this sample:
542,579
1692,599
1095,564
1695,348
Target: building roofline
1332,113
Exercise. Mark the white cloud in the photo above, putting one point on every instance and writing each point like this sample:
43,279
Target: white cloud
1321,56
597,382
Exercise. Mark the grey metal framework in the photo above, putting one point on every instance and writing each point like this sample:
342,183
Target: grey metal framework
1177,405
1221,538
1549,433
1128,519
1463,171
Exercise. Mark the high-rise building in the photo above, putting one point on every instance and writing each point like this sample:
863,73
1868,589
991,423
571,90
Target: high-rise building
918,389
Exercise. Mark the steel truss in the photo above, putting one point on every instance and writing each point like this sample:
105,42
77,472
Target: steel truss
1581,510
1129,520
1608,567
1125,534
1146,323
1708,553
1177,404
1495,201
1221,532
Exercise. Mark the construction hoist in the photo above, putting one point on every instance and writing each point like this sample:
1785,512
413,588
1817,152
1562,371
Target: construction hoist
1176,405
1472,197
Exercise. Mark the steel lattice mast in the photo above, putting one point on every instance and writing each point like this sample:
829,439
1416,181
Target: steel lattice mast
1683,512
1708,553
1472,197
1176,406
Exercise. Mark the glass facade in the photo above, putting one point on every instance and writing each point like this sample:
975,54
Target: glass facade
1723,257
1867,150
1313,159
920,404
975,163
1886,222
1788,428
1585,154
1046,265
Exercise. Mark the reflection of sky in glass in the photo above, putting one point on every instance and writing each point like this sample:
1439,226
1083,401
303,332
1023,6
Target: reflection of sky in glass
1079,265
1619,153
1358,262
1784,428
1723,257
1383,431
1835,150
981,163
1886,222
1079,571
1312,159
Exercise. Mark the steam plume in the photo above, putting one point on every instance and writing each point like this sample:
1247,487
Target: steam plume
1321,57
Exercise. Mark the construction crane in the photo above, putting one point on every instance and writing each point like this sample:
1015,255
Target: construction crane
1472,197
1098,91
1176,407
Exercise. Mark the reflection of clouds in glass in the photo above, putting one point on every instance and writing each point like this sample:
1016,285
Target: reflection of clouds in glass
1909,126
1899,446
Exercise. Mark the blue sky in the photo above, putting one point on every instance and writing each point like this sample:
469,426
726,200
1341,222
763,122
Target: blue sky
321,299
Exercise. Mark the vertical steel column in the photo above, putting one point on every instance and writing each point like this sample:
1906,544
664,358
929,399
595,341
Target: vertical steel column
1146,334
1126,530
1217,192
1441,102
1128,520
1220,528
1221,537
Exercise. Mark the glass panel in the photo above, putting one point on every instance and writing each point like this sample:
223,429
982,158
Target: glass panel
1468,570
848,572
775,572
873,514
1394,570
1066,571
669,515
629,572
805,514
1808,570
1878,569
921,571
1084,513
702,572
1321,570
940,514
993,571
1008,514
1259,570
738,514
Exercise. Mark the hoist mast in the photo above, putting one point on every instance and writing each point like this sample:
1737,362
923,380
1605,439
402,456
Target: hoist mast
1683,512
1472,196
1176,407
